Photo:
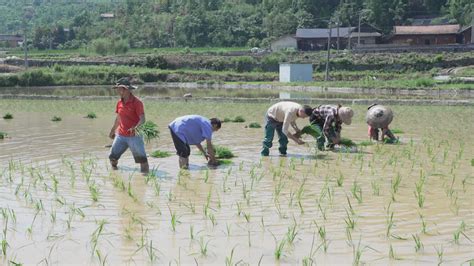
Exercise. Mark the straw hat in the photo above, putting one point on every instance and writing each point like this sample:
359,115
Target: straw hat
346,114
379,116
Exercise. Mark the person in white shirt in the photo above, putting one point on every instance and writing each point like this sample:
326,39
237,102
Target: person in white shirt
280,117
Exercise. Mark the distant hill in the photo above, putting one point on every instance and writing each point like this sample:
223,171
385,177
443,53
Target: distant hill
197,23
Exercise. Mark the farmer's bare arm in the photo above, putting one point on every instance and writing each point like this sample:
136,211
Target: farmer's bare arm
140,122
210,152
114,127
201,149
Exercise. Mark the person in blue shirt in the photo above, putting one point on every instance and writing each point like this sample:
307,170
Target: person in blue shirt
192,130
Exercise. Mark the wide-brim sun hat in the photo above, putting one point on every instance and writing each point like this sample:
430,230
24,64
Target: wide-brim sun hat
346,114
379,116
125,83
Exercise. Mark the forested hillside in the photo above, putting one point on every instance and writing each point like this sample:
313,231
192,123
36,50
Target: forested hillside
196,23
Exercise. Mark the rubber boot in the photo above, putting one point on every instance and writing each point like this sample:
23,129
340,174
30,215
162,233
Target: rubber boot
183,163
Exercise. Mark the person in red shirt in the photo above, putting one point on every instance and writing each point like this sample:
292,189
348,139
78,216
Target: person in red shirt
130,115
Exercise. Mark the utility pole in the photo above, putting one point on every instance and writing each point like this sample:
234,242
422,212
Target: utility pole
337,24
358,34
326,78
27,15
25,48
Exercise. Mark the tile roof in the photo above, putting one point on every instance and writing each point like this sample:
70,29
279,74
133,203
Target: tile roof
429,29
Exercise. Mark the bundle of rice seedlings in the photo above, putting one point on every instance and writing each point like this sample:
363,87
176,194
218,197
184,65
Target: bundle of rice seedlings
160,154
311,130
224,162
91,115
148,130
347,142
238,119
397,131
56,119
8,116
254,125
222,152
226,120
391,141
3,135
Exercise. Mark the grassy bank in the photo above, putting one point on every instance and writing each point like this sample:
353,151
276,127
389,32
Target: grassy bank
107,75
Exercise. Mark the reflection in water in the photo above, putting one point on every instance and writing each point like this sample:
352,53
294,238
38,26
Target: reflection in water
61,203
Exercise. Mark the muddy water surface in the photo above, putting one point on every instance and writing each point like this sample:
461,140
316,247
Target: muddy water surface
386,204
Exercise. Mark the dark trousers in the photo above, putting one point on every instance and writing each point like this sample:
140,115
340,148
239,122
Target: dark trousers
271,125
182,149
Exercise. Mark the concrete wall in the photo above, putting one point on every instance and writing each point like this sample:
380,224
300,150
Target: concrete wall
296,72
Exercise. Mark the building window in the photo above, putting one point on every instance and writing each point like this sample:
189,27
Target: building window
427,42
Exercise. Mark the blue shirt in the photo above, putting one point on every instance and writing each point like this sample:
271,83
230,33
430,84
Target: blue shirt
192,129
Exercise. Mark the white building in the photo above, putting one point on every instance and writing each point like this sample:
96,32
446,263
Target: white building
296,72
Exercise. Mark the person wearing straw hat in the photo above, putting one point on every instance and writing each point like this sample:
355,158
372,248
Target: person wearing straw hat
329,120
378,119
130,115
279,117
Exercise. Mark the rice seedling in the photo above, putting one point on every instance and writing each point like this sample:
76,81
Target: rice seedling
323,237
91,115
229,259
174,220
340,179
160,154
389,221
357,191
291,233
238,119
279,248
228,228
247,217
130,192
102,259
227,120
440,253
423,224
254,125
94,190
419,194
148,130
8,116
203,246
3,135
350,221
96,234
56,119
151,252
418,243
357,253
391,253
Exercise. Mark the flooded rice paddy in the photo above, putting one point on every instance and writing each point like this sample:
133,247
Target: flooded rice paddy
403,204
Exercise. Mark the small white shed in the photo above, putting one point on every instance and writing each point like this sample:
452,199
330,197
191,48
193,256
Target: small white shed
296,72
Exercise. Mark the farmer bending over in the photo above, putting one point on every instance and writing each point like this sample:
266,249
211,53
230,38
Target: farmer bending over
192,130
379,118
130,115
279,117
329,119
